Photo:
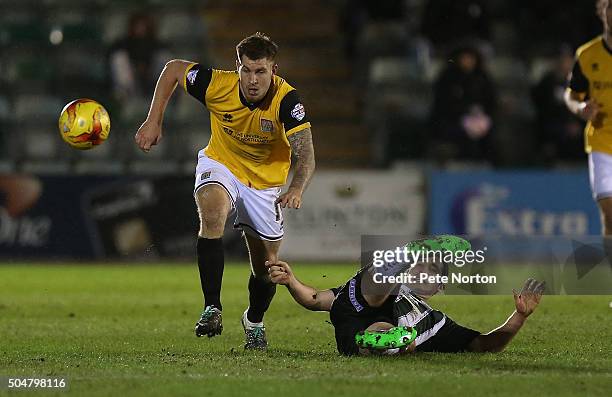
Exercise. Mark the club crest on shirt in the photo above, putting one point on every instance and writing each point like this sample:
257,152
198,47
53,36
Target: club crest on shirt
191,76
267,125
298,112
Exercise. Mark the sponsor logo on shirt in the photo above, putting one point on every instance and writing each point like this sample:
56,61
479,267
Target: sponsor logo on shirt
191,76
205,175
353,295
602,85
267,125
298,112
248,137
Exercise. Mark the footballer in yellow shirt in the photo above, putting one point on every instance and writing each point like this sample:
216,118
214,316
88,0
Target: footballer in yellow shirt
257,123
589,95
251,140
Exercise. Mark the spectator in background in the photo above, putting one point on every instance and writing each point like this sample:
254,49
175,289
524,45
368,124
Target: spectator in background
136,60
458,20
462,114
559,131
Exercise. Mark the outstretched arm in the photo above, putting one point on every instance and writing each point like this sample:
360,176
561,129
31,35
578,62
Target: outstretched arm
526,301
302,148
310,298
149,133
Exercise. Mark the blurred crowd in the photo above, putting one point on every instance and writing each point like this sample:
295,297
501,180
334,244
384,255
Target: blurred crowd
446,81
476,81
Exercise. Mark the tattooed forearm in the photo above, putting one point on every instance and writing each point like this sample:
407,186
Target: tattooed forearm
301,147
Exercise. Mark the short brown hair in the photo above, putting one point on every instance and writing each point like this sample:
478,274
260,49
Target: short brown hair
257,46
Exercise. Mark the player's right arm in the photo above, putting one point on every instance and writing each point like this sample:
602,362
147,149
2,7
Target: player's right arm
149,133
308,297
575,96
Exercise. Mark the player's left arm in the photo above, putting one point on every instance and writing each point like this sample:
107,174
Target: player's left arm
303,149
297,127
526,302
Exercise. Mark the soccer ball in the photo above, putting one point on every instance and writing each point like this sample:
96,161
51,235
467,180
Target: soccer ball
84,124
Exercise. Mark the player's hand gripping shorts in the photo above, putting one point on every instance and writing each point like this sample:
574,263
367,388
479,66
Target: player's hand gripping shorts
256,211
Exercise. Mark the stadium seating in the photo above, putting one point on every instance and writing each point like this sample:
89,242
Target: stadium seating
40,109
172,27
5,135
5,111
114,24
58,53
82,32
43,153
21,33
508,71
539,66
31,71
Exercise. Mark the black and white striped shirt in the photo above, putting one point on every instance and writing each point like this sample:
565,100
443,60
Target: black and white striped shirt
436,331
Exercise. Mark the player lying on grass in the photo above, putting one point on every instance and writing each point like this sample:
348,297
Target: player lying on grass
356,307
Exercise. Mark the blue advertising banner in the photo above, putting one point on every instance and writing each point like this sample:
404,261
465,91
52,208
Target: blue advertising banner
512,203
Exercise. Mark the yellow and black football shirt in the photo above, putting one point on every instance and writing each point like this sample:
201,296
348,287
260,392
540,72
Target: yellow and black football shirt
249,139
592,77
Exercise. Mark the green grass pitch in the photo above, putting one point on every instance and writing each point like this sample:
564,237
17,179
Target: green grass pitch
128,330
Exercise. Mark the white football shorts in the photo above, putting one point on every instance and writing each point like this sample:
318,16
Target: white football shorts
256,211
600,174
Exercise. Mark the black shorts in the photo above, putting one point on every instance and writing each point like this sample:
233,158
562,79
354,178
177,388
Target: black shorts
450,338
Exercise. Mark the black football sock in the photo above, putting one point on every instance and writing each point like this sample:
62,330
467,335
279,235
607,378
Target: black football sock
211,263
260,296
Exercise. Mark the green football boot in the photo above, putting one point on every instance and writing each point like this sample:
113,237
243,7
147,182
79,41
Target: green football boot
396,337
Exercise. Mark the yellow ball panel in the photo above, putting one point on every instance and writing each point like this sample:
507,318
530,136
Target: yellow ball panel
84,124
